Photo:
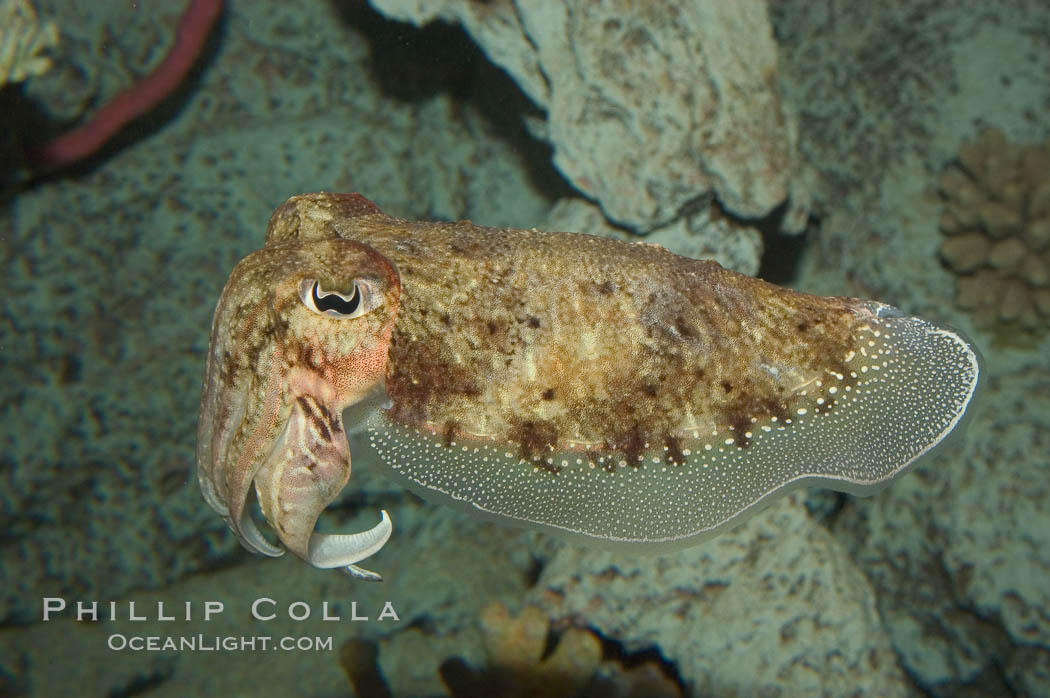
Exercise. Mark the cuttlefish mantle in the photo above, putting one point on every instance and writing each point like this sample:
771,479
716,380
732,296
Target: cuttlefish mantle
611,392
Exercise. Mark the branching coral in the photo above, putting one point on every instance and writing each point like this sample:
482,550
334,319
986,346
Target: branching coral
997,219
24,41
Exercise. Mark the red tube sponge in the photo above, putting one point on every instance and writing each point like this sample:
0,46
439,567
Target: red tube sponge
194,28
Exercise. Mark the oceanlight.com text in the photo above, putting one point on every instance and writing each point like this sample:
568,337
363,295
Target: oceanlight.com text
217,643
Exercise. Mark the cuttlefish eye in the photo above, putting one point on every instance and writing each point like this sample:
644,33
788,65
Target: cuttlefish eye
362,299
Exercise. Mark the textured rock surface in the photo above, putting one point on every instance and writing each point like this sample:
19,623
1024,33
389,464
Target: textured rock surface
957,550
774,603
110,281
425,565
649,105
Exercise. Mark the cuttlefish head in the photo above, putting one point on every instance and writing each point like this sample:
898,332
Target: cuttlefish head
301,332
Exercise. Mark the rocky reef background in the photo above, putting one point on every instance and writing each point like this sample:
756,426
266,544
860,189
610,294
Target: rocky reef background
805,140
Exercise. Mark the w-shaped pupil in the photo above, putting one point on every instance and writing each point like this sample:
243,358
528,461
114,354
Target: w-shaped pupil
335,302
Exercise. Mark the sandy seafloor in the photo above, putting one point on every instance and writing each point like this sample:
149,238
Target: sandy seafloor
940,585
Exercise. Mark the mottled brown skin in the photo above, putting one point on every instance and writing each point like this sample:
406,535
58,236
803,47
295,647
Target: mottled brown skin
277,381
555,342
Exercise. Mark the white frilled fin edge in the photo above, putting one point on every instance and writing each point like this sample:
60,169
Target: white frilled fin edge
914,382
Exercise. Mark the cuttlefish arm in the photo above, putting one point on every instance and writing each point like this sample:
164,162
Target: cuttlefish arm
301,332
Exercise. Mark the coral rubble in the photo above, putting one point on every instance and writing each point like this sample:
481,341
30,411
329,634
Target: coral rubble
997,222
519,663
521,660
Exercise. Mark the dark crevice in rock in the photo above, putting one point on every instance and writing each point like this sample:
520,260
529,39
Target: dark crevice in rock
416,64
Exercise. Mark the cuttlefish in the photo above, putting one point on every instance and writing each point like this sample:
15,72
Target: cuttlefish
609,391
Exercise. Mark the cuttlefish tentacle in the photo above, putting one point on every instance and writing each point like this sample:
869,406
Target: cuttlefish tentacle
300,333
